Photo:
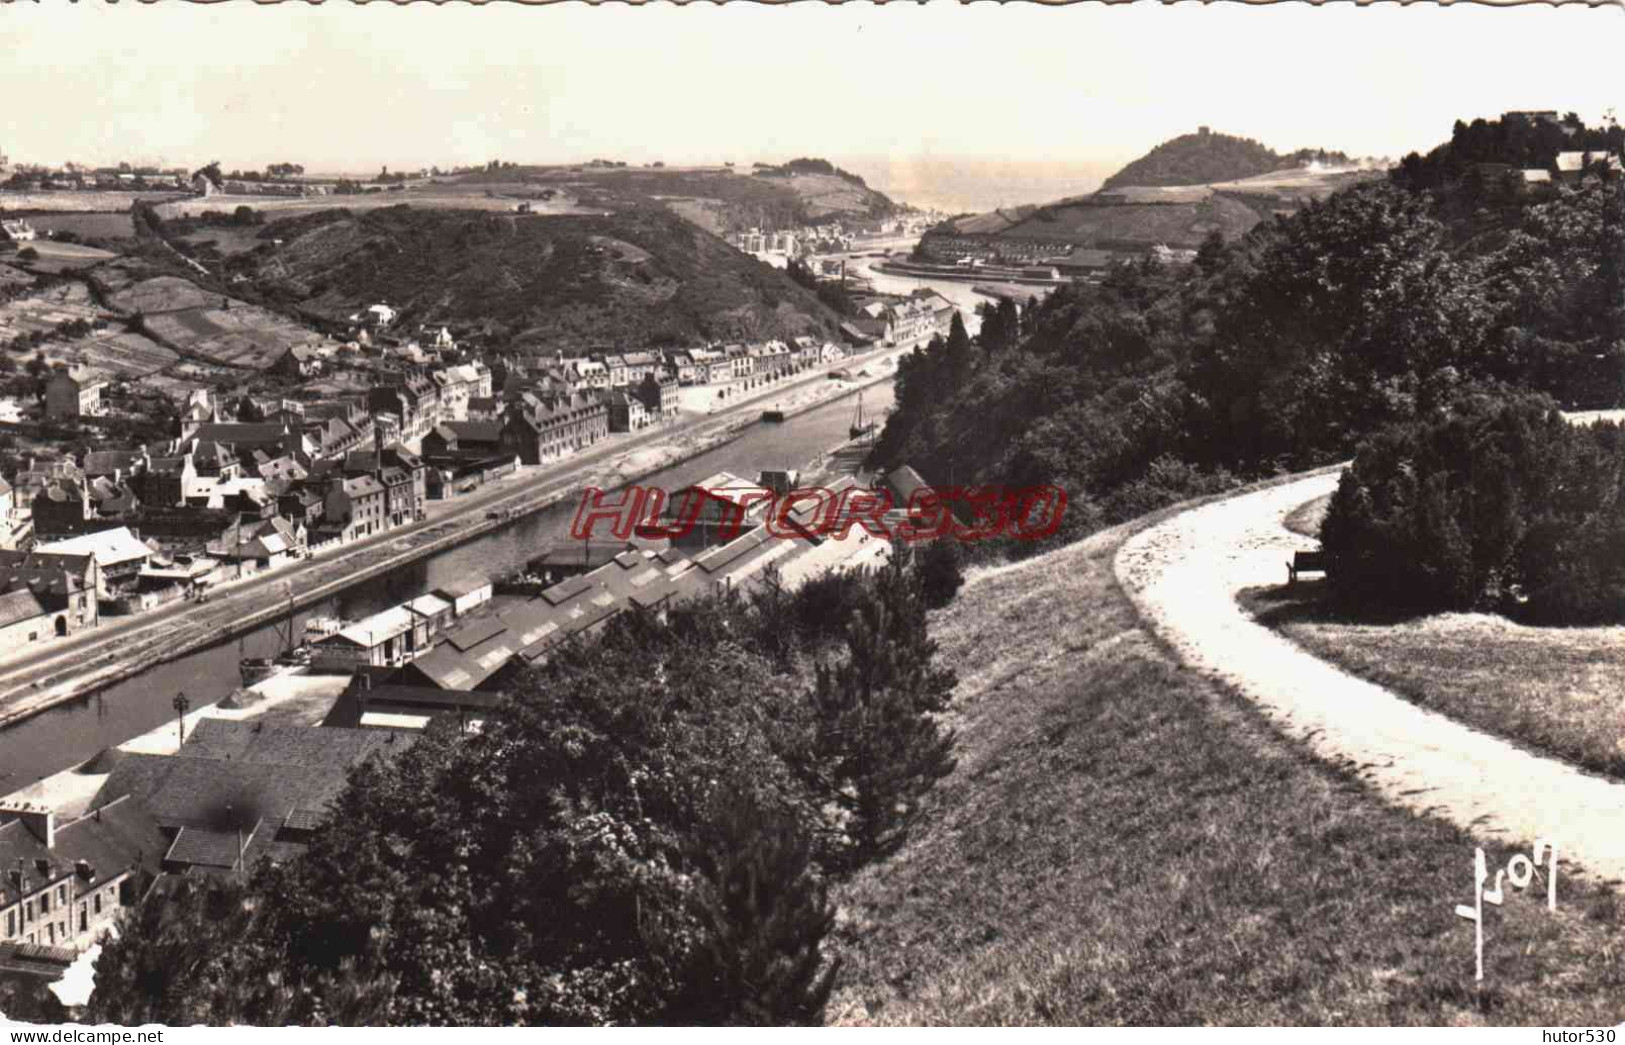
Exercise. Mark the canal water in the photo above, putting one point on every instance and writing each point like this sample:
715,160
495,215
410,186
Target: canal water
74,732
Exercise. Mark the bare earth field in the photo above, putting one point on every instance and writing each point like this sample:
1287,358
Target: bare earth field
1126,840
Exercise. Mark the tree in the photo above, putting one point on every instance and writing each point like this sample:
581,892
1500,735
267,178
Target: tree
941,572
958,350
879,747
766,913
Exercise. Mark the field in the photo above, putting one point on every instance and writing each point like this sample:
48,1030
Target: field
226,240
427,197
56,257
240,336
77,201
117,353
162,294
1124,841
103,225
43,312
11,275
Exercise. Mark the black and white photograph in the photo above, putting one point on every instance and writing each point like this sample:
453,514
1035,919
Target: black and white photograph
946,514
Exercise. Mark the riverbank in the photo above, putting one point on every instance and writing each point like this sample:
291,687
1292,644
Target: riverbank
900,268
294,698
166,635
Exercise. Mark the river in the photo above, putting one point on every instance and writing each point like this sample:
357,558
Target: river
74,732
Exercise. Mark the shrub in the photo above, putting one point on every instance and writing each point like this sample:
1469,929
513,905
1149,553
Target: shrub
1496,505
941,572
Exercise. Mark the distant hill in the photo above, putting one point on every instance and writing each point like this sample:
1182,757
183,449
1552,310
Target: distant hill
718,199
1134,218
637,277
1206,157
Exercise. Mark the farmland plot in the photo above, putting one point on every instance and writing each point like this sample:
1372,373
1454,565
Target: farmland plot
44,312
163,294
55,257
240,336
101,225
78,201
119,353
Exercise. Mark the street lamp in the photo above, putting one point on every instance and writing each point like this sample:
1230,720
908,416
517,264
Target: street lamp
181,706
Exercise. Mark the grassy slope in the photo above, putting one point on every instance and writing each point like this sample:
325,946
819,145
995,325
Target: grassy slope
1124,841
1554,690
628,279
740,199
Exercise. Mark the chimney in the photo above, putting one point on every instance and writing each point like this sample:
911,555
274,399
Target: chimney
41,822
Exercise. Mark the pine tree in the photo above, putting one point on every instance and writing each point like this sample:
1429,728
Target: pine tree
880,749
957,350
766,915
941,572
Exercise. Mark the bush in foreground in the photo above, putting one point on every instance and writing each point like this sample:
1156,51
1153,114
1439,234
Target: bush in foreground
1497,504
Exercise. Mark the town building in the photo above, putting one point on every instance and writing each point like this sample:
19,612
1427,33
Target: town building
555,425
1574,166
626,412
74,392
298,361
64,885
660,395
411,396
237,793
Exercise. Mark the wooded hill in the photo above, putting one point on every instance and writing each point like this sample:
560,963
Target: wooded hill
1282,350
642,276
1206,157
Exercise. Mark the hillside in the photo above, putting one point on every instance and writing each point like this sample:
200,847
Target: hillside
640,276
1125,841
718,199
1133,218
1204,157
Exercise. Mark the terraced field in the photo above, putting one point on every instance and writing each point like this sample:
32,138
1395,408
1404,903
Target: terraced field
240,336
119,354
44,312
163,294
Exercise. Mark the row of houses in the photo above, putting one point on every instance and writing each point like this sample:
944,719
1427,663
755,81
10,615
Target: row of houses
728,545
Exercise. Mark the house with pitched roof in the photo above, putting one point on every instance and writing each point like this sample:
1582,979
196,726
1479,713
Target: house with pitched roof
65,884
237,793
75,392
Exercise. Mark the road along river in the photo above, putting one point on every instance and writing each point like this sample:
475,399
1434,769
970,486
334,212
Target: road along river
73,732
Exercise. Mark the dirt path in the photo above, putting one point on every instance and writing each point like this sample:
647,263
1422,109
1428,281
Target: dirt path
1183,576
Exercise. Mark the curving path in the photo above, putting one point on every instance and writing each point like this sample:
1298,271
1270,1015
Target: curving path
1183,575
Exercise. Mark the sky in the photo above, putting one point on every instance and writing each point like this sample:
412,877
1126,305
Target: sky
343,87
